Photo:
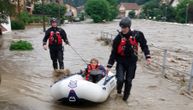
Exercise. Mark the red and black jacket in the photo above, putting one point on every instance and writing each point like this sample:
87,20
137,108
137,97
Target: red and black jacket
55,36
130,42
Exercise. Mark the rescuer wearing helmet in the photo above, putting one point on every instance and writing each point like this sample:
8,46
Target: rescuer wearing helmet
125,53
55,36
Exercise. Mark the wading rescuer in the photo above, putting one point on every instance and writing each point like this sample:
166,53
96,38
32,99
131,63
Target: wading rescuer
55,36
124,52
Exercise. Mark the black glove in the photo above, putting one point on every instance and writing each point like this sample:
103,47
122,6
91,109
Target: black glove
80,73
67,42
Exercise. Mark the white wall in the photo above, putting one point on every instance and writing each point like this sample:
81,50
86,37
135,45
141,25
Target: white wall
7,26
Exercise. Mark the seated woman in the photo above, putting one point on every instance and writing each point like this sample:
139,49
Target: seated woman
94,71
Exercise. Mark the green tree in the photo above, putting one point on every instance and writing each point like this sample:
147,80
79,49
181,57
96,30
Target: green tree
169,12
151,8
182,8
6,9
98,10
155,10
140,2
24,17
75,3
51,9
113,4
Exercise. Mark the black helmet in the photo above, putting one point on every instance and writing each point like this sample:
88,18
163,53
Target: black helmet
53,20
125,22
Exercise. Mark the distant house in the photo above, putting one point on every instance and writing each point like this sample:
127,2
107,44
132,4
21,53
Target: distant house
71,11
125,8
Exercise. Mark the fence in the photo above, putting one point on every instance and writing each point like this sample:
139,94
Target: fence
164,59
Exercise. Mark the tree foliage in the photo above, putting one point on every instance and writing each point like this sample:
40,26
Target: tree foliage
75,3
17,25
131,14
98,10
51,9
6,9
181,9
158,11
113,10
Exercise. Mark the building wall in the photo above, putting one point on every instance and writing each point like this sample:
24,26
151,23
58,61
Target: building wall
74,10
7,26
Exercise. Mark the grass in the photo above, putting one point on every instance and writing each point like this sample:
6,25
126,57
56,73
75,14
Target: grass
21,45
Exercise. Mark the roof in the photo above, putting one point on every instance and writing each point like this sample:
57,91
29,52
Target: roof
129,6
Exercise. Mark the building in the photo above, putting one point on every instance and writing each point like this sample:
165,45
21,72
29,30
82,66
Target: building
125,8
71,11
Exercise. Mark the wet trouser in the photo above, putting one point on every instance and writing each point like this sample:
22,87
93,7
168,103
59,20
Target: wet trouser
125,73
95,78
57,57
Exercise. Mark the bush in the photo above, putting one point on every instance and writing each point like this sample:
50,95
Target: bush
21,45
24,16
98,10
81,16
17,25
36,19
157,11
131,14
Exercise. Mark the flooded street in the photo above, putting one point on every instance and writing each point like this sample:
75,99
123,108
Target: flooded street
27,75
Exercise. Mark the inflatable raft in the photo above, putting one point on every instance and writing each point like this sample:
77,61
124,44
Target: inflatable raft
75,88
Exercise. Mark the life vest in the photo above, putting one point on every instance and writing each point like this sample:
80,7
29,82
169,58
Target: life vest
55,38
89,69
122,44
121,47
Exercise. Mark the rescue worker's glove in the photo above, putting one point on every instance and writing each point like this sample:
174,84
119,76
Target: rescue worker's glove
80,73
68,43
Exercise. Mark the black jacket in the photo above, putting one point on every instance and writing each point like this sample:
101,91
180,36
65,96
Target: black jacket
62,33
129,57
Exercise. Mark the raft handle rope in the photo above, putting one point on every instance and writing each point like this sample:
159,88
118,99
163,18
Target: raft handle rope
79,55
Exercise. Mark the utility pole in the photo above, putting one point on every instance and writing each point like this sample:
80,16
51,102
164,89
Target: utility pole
166,12
43,13
187,7
58,1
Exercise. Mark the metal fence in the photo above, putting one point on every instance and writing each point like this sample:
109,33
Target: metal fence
163,64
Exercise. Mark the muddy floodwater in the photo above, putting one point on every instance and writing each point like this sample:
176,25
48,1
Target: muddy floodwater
27,75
